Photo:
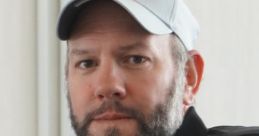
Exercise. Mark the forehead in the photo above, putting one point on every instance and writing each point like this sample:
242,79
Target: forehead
104,16
103,22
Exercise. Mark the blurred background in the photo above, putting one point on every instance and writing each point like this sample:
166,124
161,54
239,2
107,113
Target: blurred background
32,87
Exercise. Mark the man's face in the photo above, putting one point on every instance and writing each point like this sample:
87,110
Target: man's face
121,79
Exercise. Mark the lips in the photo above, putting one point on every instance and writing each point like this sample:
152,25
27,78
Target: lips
111,115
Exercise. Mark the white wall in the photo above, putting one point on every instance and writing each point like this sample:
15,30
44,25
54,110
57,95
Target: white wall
32,89
29,71
229,44
18,103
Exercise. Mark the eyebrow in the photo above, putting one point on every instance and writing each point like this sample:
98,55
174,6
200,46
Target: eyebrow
79,52
135,46
122,49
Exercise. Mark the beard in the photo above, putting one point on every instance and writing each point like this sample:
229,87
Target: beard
164,120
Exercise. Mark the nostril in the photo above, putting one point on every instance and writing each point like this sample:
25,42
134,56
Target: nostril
100,96
107,92
112,95
116,94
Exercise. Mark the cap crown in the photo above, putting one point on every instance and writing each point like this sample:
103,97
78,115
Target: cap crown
156,16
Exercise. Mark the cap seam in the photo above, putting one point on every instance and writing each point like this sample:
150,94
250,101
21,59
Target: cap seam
168,25
79,3
173,14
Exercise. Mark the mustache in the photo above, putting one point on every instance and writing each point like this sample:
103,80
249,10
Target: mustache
82,127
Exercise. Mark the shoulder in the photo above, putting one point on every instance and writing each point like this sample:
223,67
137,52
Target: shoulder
233,131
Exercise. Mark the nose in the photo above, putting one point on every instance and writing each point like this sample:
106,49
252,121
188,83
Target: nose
109,83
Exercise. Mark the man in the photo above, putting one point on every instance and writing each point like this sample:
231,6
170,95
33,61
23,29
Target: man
132,70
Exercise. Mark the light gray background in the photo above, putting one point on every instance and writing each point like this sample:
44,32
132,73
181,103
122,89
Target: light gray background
229,43
32,90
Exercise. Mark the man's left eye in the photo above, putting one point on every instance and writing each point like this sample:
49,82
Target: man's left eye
135,59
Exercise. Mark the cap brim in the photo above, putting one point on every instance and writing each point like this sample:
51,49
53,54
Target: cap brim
145,18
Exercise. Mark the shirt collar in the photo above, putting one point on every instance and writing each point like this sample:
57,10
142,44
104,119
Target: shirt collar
192,125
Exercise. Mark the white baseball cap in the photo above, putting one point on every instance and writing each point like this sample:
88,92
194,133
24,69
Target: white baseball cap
156,16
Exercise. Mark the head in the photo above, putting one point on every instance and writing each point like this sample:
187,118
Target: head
123,80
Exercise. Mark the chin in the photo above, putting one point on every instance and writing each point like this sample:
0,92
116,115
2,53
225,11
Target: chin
113,128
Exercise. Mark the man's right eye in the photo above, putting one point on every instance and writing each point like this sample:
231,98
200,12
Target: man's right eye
86,64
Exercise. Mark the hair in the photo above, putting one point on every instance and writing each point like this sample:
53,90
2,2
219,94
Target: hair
179,53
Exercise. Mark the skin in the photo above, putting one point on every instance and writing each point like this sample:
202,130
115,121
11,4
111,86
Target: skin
112,58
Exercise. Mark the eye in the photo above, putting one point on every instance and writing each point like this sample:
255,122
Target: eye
86,64
135,60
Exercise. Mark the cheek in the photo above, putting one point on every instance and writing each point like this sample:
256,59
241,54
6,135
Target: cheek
148,90
80,95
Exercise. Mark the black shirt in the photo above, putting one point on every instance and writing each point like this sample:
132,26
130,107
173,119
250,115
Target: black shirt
193,126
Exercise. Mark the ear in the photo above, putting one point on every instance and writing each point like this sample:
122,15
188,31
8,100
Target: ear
193,73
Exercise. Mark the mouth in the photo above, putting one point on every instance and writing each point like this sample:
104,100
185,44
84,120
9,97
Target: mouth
111,115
